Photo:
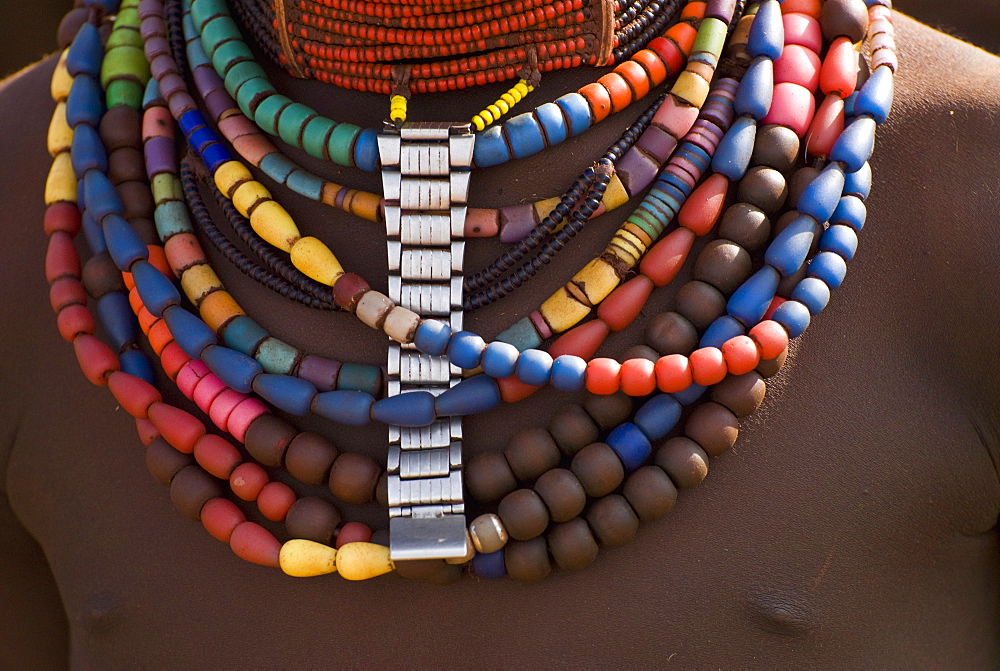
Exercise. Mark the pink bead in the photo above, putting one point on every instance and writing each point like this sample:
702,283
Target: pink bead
353,532
792,106
255,544
222,406
220,517
275,500
826,127
188,378
539,323
481,222
675,118
217,455
803,30
96,359
877,12
247,480
798,65
246,412
206,391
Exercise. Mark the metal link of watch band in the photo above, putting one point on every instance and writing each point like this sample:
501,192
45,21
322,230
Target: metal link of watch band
425,180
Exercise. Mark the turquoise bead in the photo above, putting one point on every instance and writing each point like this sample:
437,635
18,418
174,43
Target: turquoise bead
658,416
277,166
721,330
491,148
787,252
244,335
171,218
470,396
277,356
794,316
499,359
230,54
813,293
753,97
522,335
344,407
291,394
855,145
821,197
750,301
234,368
875,96
465,350
360,377
841,240
341,140
291,120
630,444
305,184
524,134
767,32
124,244
534,367
86,52
155,289
432,337
568,373
829,267
851,211
411,408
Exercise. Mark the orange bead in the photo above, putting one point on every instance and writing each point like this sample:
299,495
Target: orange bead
812,8
839,72
694,10
513,390
636,76
708,366
178,427
741,354
702,208
599,99
669,52
662,263
623,305
604,376
618,90
159,336
158,258
654,65
129,282
173,358
638,377
771,338
684,35
133,394
673,373
582,341
275,500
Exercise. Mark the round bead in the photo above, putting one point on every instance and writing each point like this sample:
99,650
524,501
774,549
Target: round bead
353,477
499,359
603,376
353,532
489,566
562,493
524,514
533,367
650,493
598,468
673,373
670,333
770,367
741,355
777,147
274,501
844,18
763,187
309,458
794,316
530,453
220,516
637,378
191,488
572,429
724,265
741,394
267,438
572,545
708,366
612,520
714,427
746,225
313,519
684,461
465,349
793,106
164,462
489,477
247,480
527,561
569,373
488,533
630,444
609,411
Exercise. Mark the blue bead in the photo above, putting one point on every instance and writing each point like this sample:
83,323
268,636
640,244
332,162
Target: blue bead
469,397
812,293
234,368
753,97
534,367
658,416
191,121
136,363
215,155
155,289
489,566
491,148
787,252
303,183
577,111
829,267
109,6
673,180
432,337
411,408
875,96
291,394
630,444
344,407
841,240
568,373
553,123
94,234
201,137
750,301
465,349
851,211
243,334
116,316
100,195
767,32
522,335
733,155
499,359
85,104
124,243
849,106
855,145
86,52
721,330
794,316
820,197
690,395
695,154
366,150
87,151
191,333
859,183
524,134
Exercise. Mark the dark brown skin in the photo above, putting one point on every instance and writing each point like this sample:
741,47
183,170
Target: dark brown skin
854,523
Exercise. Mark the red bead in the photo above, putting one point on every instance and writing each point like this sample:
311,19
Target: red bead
173,359
638,377
220,517
775,304
74,320
96,359
513,390
839,72
133,394
274,501
771,337
353,532
623,305
178,427
147,432
741,355
582,341
798,65
666,257
708,366
63,217
247,480
65,292
255,544
348,289
61,258
603,376
826,127
673,373
217,455
702,208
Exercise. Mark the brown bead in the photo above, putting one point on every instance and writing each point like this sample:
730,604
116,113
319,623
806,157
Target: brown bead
714,427
612,520
844,18
742,394
101,276
419,569
700,303
382,490
746,225
381,537
121,127
488,533
572,545
798,182
640,352
191,489
684,461
164,462
723,264
126,165
137,200
650,493
313,519
530,453
527,561
764,187
353,477
776,147
562,493
598,469
267,438
145,228
523,514
572,429
70,26
309,458
771,367
488,477
348,290
609,411
671,333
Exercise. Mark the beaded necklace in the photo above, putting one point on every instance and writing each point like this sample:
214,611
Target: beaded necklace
546,517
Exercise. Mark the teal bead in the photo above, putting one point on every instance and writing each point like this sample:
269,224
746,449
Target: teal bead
217,31
305,184
291,122
251,93
341,140
277,166
522,335
360,377
171,218
316,134
277,356
266,114
242,73
244,335
229,55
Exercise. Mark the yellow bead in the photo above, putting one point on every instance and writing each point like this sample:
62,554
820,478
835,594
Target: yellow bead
544,207
361,561
509,99
249,194
60,137
166,187
495,111
316,260
615,194
562,311
61,183
487,117
596,280
275,225
691,89
198,281
302,559
477,121
230,175
61,80
627,247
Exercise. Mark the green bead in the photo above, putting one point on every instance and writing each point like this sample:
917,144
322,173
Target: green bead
229,55
251,93
203,10
266,114
360,377
316,135
291,120
711,37
341,143
124,92
125,62
218,31
277,357
521,335
242,73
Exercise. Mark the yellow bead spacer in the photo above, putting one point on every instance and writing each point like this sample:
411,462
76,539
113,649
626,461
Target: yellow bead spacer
61,182
397,108
477,121
198,281
271,222
316,260
62,80
361,561
230,175
303,559
60,136
502,105
249,195
495,111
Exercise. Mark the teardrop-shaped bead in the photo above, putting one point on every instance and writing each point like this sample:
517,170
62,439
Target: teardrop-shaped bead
302,559
702,208
623,305
826,127
663,261
361,561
